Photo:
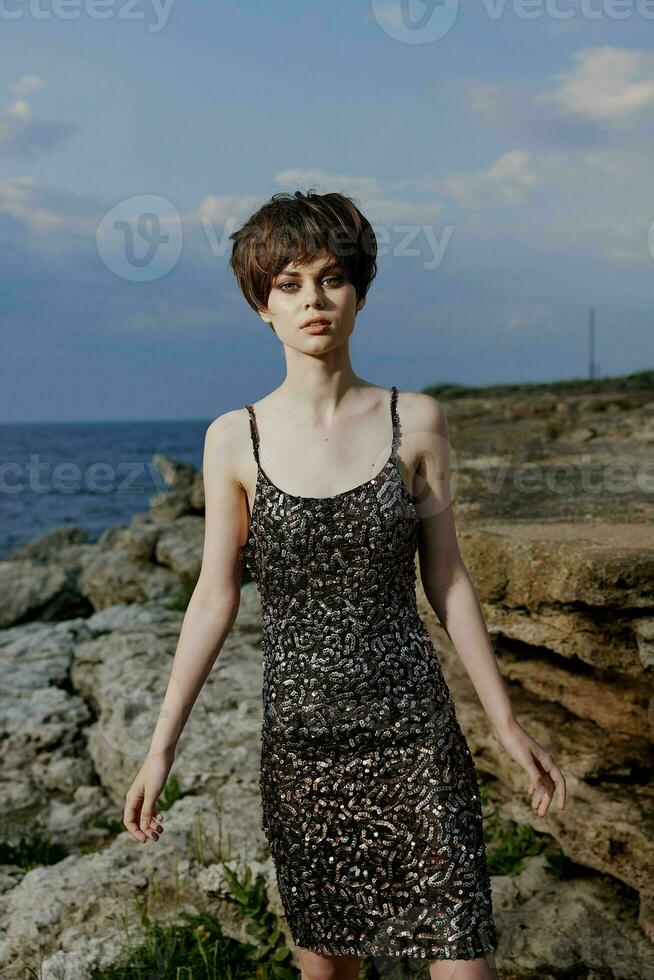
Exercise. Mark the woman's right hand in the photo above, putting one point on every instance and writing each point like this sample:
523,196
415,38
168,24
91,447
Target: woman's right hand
139,816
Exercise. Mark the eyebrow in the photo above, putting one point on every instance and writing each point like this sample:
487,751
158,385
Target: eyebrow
333,267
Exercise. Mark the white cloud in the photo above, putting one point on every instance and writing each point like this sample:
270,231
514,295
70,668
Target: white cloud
44,210
582,148
492,101
509,179
375,198
220,208
23,135
593,202
26,84
607,85
324,182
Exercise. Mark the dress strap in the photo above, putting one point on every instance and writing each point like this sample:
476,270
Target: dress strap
254,432
394,417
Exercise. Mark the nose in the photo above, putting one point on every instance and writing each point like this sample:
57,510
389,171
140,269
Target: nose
313,295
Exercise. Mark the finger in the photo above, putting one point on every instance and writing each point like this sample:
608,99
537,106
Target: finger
537,784
537,774
546,796
134,830
544,802
544,788
146,815
130,818
156,828
132,807
555,775
542,763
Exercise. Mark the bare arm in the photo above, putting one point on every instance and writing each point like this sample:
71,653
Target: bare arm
207,621
214,603
451,594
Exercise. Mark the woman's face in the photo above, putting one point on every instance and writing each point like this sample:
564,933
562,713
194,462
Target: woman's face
302,292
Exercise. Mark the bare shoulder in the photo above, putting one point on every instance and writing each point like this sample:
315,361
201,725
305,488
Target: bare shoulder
422,414
224,443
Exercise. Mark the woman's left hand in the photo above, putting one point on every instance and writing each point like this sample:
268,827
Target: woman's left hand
545,778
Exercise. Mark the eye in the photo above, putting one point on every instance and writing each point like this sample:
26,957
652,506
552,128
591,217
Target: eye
336,280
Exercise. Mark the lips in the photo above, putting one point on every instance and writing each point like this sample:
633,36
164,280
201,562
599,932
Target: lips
316,322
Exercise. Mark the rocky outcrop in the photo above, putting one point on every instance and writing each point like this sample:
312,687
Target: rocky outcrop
185,492
579,926
70,917
78,711
45,589
569,610
59,575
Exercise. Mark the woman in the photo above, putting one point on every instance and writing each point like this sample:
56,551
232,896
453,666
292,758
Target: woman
370,801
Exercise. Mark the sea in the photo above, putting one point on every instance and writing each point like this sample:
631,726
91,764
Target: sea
90,475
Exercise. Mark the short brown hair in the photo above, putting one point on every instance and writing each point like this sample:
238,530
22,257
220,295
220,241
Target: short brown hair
297,228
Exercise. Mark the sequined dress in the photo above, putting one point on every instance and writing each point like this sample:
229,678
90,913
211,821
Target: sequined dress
370,801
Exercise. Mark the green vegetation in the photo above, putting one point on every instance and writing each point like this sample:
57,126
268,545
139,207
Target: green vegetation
195,947
640,381
614,404
111,828
271,949
28,844
553,429
172,792
509,843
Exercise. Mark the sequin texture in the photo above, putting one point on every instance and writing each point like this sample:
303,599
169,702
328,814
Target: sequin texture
370,801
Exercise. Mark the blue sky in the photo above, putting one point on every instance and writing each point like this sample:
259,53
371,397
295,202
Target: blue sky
505,165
